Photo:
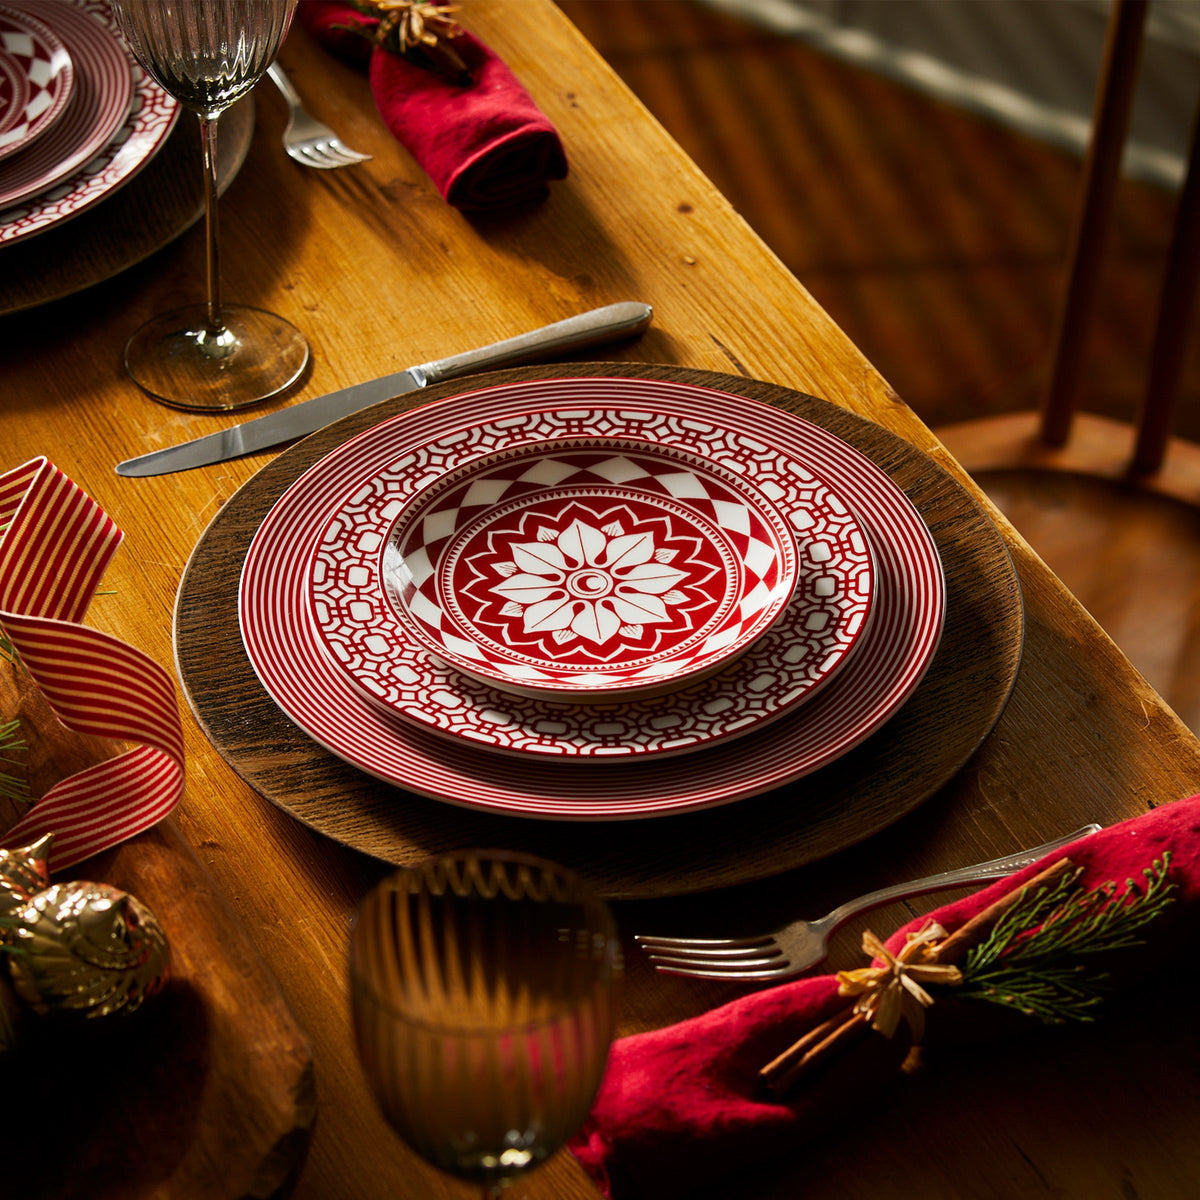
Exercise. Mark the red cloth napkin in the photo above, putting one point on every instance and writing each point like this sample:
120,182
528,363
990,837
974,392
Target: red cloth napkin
671,1090
485,146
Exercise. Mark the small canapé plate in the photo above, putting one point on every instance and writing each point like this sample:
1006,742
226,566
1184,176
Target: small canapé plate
589,572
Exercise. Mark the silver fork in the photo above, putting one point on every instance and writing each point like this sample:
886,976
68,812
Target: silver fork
792,949
305,138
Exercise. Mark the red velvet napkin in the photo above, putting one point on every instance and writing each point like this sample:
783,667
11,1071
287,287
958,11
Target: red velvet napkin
696,1083
485,145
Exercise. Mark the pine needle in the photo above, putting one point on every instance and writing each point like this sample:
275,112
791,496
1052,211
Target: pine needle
1031,960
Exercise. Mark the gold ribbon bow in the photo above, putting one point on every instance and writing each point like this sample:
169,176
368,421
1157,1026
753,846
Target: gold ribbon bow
894,991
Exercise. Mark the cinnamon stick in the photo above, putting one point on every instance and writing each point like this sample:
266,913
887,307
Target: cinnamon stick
804,1056
960,943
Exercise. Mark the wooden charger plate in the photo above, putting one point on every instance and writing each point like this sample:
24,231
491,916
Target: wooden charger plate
894,771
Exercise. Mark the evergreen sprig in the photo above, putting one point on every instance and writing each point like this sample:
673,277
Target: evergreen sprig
12,786
1030,962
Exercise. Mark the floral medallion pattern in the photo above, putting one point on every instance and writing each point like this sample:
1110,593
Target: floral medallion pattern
586,572
593,584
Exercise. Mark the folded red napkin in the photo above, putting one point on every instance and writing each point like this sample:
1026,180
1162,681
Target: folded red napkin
485,145
697,1083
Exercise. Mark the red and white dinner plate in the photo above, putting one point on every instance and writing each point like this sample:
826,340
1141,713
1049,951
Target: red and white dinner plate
116,120
292,661
475,501
36,79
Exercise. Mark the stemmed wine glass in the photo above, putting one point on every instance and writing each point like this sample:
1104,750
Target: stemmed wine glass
483,995
207,54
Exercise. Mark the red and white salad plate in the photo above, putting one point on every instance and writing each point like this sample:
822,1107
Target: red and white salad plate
36,79
723,567
588,571
776,455
116,120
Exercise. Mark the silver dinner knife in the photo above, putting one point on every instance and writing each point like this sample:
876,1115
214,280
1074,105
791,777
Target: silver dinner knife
592,328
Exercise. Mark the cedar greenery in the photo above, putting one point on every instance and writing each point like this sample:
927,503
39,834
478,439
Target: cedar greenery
12,786
1031,963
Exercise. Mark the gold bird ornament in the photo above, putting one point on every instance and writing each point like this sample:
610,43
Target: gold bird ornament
23,873
86,948
78,949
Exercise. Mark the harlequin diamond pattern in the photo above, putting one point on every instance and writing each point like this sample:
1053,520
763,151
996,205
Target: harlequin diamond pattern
35,78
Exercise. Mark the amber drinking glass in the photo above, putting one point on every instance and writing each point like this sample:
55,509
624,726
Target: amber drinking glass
208,54
483,995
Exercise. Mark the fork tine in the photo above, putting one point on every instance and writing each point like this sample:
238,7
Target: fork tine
311,156
773,962
709,970
652,943
326,156
740,956
333,154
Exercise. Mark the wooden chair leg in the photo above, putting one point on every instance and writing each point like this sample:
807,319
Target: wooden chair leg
1177,308
1101,173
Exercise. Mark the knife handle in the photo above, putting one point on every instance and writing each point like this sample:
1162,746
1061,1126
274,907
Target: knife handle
575,333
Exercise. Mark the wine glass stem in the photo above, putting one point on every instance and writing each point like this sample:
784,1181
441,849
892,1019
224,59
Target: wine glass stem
208,147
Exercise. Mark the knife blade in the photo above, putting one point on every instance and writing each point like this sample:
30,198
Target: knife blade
592,328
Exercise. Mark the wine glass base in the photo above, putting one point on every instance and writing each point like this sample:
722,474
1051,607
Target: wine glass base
178,360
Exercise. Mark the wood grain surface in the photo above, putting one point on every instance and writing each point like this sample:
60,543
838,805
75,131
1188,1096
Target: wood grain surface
212,1079
872,786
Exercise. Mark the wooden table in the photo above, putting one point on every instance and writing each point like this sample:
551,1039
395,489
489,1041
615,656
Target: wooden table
381,274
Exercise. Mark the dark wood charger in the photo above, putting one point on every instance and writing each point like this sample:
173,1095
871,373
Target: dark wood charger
889,775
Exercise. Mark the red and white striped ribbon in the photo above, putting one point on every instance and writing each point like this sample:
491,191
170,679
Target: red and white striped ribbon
55,544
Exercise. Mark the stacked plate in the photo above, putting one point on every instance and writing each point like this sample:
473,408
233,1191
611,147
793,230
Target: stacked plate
78,117
592,598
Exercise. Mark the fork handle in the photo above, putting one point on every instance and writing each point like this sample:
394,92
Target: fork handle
995,868
284,84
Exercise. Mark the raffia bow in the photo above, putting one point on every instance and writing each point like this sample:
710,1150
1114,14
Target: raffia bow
894,991
419,30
